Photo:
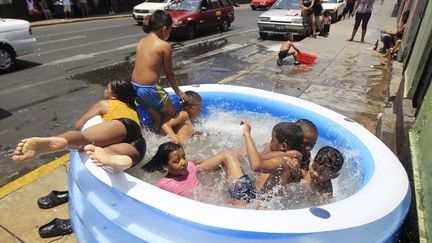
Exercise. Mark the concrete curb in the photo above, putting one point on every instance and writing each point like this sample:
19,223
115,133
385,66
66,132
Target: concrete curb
75,20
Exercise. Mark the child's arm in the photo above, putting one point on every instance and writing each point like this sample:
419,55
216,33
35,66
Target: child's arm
295,48
100,108
169,71
256,163
180,119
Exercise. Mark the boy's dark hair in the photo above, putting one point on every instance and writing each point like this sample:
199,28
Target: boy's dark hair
161,157
289,133
330,158
124,91
307,125
159,19
192,98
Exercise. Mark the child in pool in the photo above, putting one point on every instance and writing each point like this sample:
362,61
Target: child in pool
325,167
310,136
180,128
153,54
286,138
181,174
119,134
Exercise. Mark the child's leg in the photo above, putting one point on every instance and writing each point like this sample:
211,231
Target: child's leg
226,159
168,111
118,156
157,119
101,135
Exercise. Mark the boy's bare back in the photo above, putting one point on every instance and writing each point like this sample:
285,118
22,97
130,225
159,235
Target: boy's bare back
152,55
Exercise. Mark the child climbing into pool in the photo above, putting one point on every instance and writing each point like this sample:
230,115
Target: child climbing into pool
153,54
118,135
325,167
181,174
180,128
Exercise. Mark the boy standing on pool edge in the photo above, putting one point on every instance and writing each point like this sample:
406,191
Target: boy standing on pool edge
153,54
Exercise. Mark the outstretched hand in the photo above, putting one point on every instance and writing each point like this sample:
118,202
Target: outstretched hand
246,127
182,95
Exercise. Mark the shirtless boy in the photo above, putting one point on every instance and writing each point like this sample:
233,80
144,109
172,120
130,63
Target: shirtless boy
180,128
153,54
285,51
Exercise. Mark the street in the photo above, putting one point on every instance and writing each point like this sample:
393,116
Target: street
52,87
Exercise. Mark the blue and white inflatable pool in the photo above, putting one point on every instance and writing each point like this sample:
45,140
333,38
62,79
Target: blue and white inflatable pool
107,207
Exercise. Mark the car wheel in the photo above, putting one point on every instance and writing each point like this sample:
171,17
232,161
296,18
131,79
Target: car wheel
263,35
7,58
253,8
224,25
335,17
190,32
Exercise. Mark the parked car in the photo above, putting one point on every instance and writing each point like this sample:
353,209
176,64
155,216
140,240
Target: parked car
141,11
192,16
335,8
16,39
264,4
282,18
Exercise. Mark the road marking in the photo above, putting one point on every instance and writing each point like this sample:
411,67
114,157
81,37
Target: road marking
32,176
82,45
81,30
90,55
5,91
60,40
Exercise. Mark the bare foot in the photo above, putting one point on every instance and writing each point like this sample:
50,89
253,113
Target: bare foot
31,148
350,39
100,157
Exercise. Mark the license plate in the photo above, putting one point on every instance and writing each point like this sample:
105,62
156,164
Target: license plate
279,27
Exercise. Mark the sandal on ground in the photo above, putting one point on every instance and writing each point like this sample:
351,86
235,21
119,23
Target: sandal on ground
57,227
53,199
297,63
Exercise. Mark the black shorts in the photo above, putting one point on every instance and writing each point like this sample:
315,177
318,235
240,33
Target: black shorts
134,137
243,189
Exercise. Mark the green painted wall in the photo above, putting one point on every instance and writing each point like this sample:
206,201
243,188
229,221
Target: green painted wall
421,143
420,53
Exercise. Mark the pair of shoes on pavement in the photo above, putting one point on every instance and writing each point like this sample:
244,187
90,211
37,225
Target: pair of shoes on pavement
53,199
57,227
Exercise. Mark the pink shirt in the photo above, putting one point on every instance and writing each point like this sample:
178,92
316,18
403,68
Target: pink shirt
181,185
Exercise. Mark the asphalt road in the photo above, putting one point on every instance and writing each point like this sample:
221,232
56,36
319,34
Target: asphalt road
52,87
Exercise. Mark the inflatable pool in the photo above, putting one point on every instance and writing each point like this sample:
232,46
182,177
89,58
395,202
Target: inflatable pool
106,207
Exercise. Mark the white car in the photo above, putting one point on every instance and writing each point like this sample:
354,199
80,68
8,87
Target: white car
16,39
283,18
141,11
335,8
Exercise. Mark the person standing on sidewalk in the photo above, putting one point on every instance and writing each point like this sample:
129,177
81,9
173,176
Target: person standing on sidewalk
67,9
45,10
349,8
363,12
84,8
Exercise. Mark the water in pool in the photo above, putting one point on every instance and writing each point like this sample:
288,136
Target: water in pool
221,130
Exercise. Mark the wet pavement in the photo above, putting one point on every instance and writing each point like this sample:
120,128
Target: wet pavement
347,77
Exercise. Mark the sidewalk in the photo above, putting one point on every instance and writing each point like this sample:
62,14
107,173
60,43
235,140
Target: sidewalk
347,78
74,20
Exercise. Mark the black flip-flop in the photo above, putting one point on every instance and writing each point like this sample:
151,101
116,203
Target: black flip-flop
57,227
53,199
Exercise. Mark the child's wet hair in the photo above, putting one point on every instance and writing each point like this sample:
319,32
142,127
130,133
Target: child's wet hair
290,133
330,158
124,91
307,125
161,158
192,98
159,19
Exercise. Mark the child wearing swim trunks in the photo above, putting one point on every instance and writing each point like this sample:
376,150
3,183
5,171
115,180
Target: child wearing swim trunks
285,51
154,54
325,167
180,128
117,142
181,174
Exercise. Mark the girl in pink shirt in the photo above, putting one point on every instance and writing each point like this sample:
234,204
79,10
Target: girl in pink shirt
181,175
